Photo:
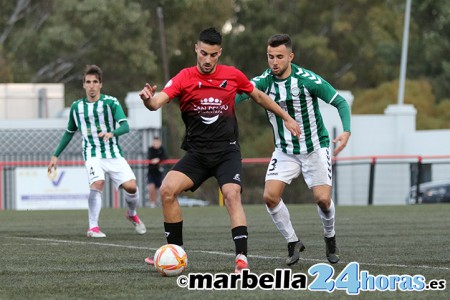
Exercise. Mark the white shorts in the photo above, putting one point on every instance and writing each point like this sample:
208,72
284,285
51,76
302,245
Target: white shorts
315,166
118,169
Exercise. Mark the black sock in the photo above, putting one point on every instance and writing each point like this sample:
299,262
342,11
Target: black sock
174,233
240,237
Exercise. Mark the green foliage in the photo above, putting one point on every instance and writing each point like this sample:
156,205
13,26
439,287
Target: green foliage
55,41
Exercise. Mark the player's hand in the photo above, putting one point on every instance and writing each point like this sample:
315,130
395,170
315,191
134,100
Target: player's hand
342,139
147,92
293,127
51,169
105,135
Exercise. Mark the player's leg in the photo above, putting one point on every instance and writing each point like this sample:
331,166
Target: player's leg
96,177
239,232
326,210
187,174
281,170
318,175
174,184
131,192
279,213
123,177
228,174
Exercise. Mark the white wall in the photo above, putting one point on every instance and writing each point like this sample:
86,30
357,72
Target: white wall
393,133
139,116
20,100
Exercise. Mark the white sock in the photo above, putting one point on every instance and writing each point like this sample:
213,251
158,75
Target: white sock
282,219
132,201
327,220
94,207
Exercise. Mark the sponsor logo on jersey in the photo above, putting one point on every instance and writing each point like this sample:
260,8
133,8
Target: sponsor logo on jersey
210,120
210,109
211,101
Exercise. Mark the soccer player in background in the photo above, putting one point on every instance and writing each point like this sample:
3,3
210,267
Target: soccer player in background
297,91
156,153
206,93
97,116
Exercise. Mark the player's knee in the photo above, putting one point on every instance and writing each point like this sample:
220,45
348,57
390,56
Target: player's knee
131,190
270,200
98,185
167,193
233,204
130,187
323,202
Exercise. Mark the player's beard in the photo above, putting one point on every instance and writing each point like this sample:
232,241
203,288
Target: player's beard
279,73
209,68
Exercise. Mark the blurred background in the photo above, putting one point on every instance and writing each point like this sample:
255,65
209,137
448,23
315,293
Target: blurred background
355,45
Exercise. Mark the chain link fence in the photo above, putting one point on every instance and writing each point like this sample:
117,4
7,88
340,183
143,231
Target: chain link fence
356,181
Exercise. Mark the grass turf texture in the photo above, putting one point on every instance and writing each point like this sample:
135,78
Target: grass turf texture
45,254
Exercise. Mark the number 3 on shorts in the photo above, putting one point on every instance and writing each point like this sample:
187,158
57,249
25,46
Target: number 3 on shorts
273,164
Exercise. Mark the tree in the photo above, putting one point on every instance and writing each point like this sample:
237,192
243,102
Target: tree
55,40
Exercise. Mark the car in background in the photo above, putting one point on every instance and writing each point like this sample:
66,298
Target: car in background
191,202
430,192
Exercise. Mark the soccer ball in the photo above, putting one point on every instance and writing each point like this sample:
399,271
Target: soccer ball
170,260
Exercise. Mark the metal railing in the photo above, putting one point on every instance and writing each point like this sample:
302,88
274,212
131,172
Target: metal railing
361,180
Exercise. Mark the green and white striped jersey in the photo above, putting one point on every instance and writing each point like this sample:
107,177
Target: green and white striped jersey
93,118
298,95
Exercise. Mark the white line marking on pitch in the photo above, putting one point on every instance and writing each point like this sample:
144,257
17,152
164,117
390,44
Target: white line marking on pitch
220,253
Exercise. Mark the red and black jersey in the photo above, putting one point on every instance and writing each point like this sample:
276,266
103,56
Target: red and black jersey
207,107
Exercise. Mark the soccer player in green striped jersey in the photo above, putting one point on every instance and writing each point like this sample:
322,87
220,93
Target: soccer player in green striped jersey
298,91
97,116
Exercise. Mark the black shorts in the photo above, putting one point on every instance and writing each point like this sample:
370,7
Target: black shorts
155,178
225,167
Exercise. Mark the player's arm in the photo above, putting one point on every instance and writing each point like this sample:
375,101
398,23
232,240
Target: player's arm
265,101
326,92
344,113
152,101
65,140
241,98
122,129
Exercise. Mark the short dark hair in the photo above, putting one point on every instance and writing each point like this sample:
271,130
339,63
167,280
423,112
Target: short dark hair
210,36
280,39
93,70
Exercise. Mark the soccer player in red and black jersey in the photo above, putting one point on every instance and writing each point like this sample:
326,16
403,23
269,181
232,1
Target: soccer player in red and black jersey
206,93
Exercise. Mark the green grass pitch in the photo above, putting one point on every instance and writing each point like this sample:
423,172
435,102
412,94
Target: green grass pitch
45,254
